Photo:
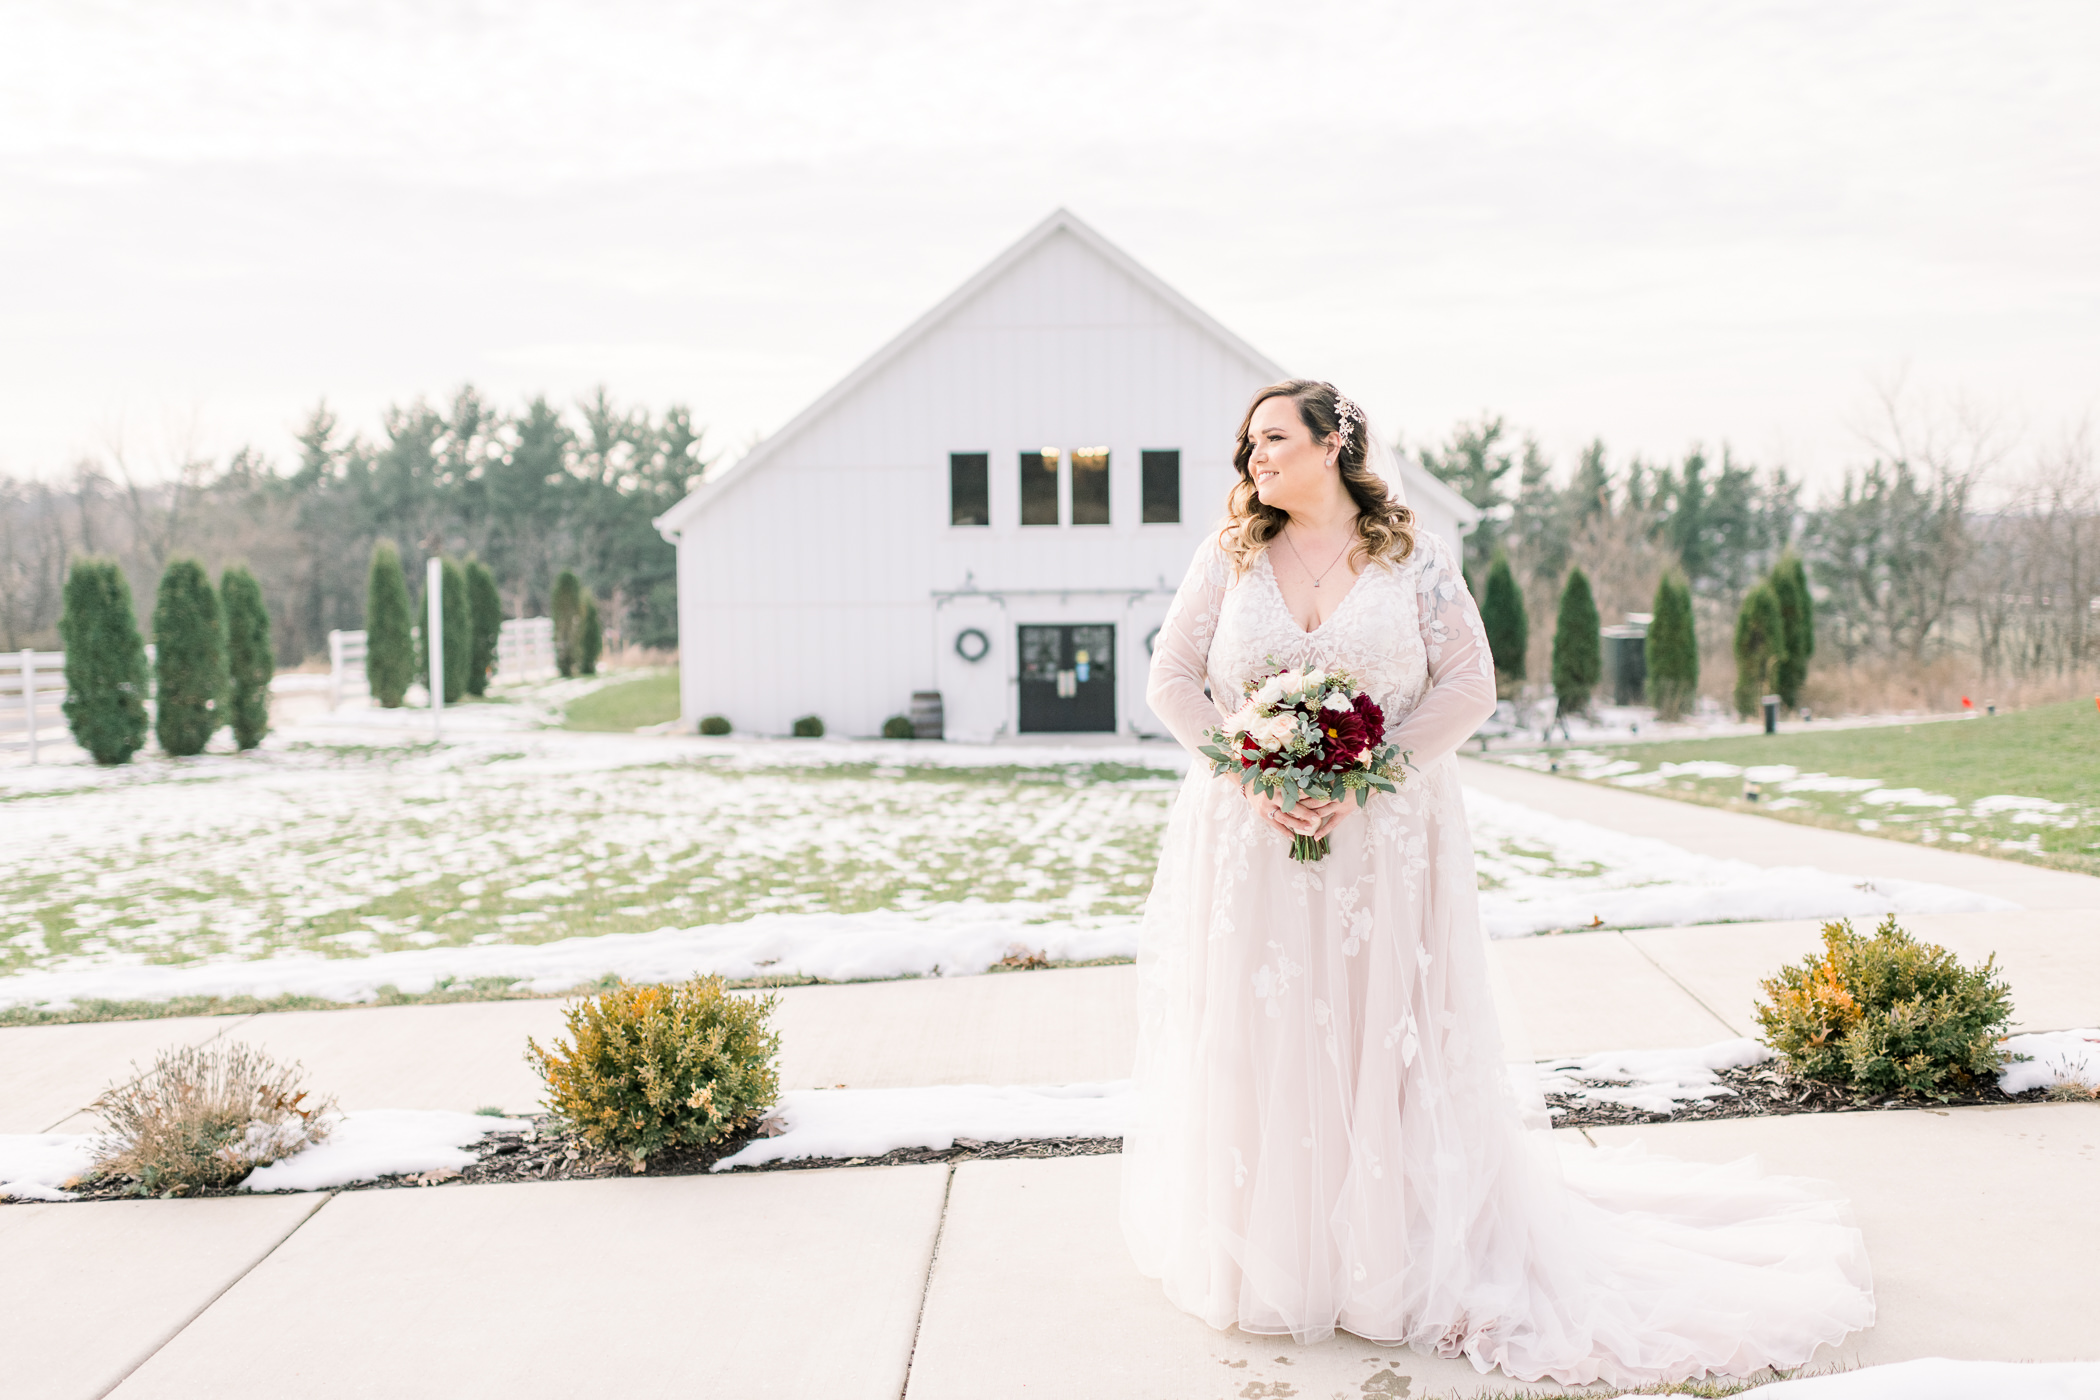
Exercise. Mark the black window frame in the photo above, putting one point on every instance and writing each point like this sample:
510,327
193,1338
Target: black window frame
958,464
1153,462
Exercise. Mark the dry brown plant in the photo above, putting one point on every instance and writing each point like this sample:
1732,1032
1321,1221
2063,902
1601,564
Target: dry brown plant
205,1116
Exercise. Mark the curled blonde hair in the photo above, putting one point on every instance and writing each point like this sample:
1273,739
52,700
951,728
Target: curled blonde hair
1385,529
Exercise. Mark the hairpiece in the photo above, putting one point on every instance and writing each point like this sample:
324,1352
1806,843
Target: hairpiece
1347,414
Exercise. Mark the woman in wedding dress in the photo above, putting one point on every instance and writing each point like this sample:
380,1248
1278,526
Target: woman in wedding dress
1327,1135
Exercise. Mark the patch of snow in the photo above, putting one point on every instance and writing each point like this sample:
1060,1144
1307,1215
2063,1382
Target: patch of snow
1611,770
378,1142
1640,882
1699,768
2007,802
1654,1081
1770,773
1909,797
1826,782
33,1166
1641,780
2055,1057
1935,1378
848,1123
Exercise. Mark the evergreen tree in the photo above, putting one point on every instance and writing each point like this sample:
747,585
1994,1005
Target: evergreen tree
1508,628
1672,649
249,660
1474,464
390,650
1578,646
457,621
1760,641
590,637
105,662
1797,614
189,660
485,609
568,615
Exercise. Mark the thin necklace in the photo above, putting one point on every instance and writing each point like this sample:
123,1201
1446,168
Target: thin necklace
1307,567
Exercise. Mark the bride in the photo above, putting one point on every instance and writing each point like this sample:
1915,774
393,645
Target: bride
1327,1136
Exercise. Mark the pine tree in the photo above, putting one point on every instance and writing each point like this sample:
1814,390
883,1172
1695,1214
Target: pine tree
1760,641
590,637
568,614
1797,614
105,662
390,651
485,606
456,621
1508,628
189,660
249,660
1672,649
1578,646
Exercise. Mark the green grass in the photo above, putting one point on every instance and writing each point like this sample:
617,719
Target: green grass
2051,752
626,707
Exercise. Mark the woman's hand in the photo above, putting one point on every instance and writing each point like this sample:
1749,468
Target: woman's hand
1313,816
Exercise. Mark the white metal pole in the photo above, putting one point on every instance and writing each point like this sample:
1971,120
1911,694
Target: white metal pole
29,698
434,642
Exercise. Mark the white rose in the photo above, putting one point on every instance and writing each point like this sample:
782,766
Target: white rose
1337,701
1315,679
1241,720
1271,691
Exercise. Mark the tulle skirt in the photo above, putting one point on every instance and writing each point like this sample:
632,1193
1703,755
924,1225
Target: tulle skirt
1328,1137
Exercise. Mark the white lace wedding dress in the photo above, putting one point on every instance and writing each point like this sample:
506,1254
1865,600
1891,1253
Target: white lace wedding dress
1327,1136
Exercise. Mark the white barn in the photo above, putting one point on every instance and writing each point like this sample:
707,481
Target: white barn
997,506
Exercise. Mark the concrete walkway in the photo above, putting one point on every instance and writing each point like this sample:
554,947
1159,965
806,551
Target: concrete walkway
992,1278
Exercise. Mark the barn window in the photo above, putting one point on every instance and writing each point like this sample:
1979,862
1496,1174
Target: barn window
1090,486
969,488
1162,487
1039,486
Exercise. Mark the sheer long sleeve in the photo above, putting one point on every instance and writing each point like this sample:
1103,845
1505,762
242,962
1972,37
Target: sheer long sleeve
1181,651
1461,669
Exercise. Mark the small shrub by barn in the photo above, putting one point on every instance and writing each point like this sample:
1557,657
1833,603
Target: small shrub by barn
651,1069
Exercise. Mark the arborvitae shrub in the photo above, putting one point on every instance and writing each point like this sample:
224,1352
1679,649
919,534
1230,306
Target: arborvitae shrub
457,619
1888,1015
390,650
1797,617
899,727
1672,649
809,727
1578,646
590,637
189,660
105,702
249,660
1508,628
205,1116
715,724
1759,638
653,1068
568,617
485,613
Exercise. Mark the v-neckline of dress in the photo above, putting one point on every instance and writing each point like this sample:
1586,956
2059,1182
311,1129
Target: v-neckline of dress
1276,589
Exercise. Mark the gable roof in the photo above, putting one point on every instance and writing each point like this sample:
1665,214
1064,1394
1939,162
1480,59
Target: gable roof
673,521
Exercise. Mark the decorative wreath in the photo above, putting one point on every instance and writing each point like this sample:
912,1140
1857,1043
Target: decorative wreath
1150,638
972,645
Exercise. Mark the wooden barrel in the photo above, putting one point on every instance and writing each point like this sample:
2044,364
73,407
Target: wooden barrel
926,719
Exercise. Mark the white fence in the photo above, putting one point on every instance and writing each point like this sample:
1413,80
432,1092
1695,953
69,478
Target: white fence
524,651
32,687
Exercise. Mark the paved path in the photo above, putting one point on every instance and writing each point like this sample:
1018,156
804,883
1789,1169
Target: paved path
994,1278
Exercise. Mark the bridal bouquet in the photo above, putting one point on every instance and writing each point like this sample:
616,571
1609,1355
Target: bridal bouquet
1307,734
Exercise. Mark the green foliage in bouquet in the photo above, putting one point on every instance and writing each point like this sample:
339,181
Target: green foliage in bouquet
189,660
649,1069
105,702
250,662
1888,1015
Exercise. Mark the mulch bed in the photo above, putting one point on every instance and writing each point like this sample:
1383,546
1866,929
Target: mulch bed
1762,1091
541,1153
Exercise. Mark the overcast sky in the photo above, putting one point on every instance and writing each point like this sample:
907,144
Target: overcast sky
1657,223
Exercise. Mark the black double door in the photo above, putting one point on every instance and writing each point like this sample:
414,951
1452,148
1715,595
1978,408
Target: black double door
1068,679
